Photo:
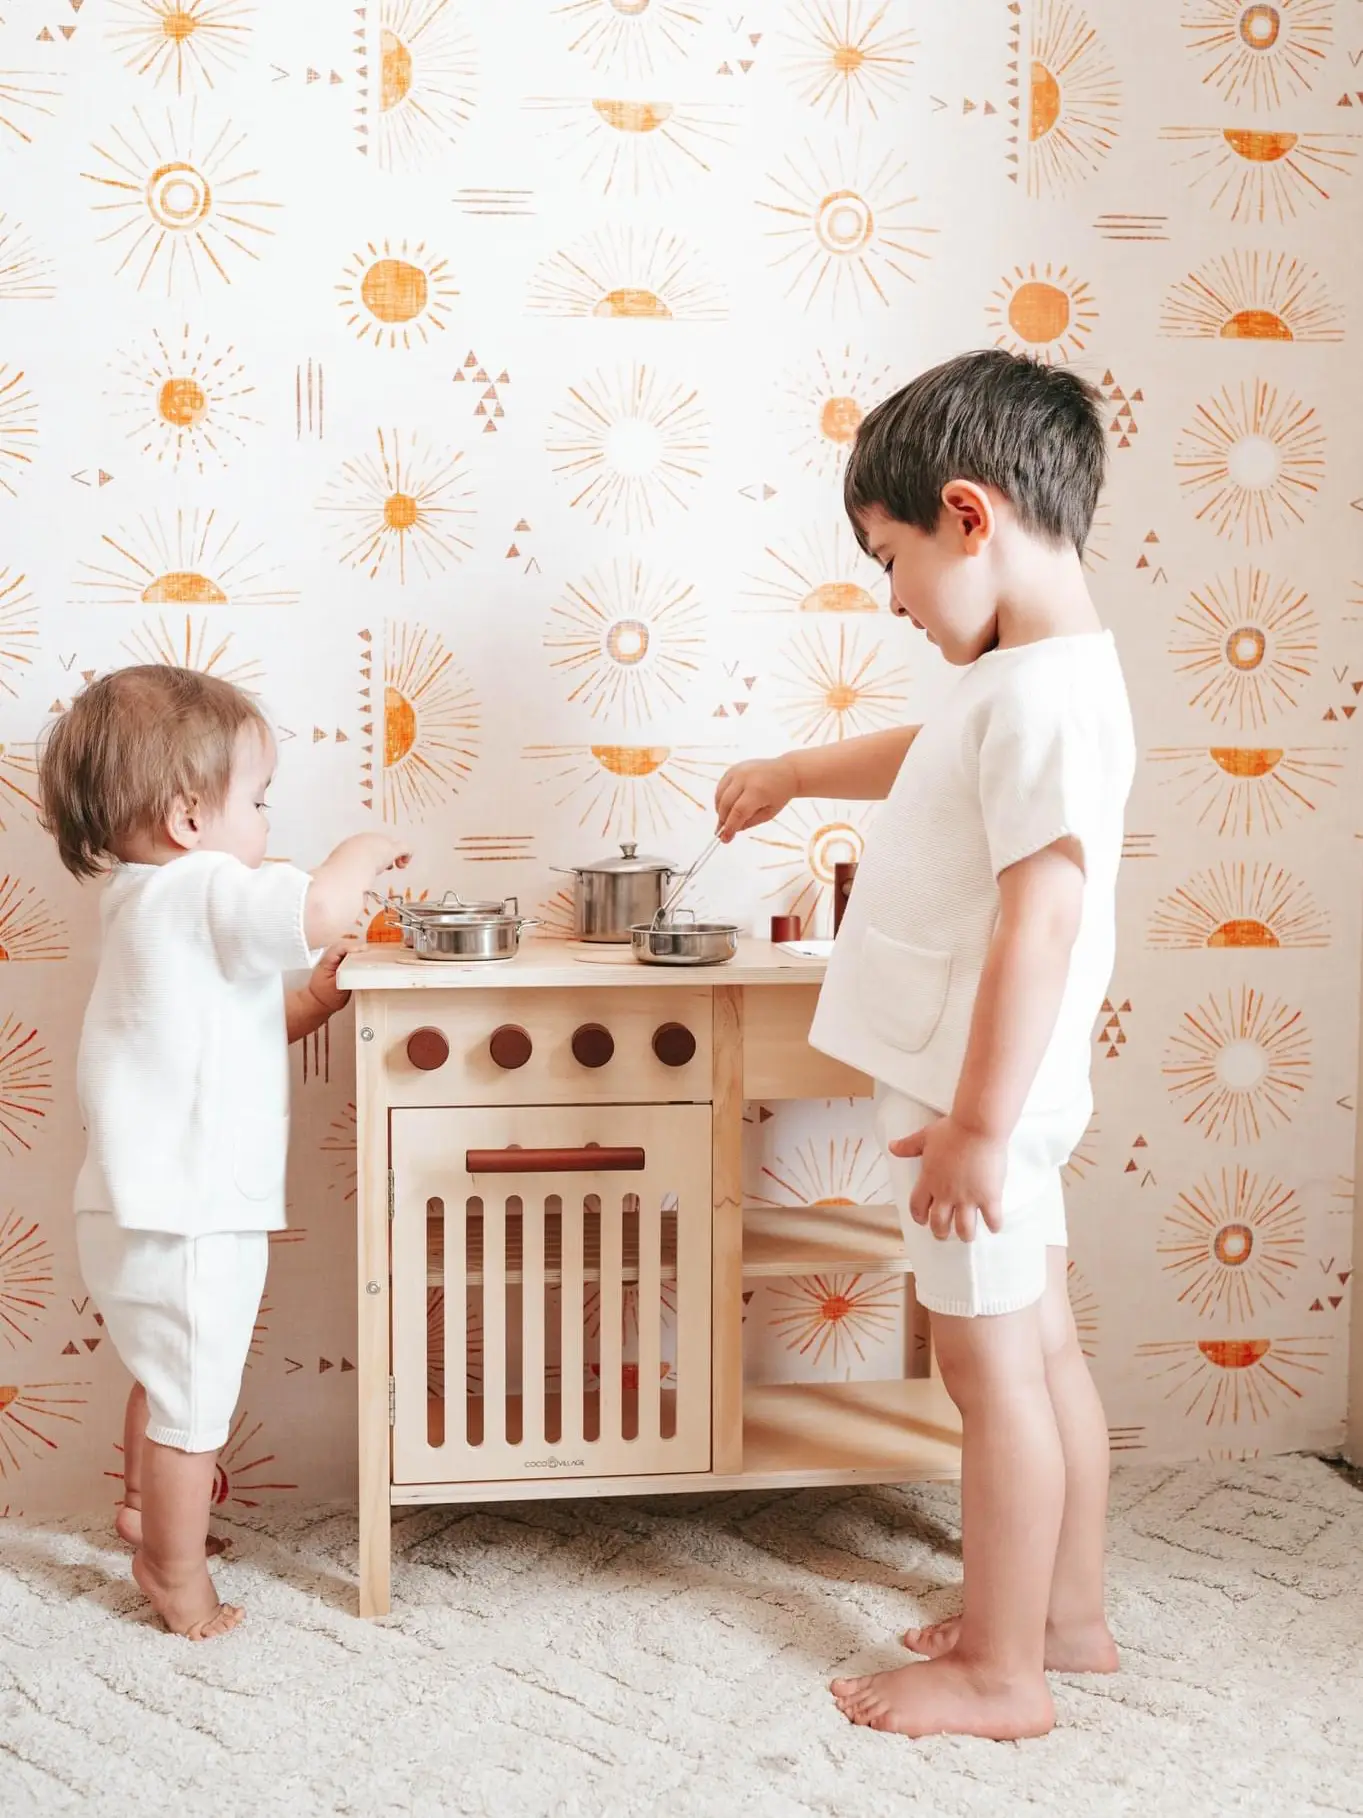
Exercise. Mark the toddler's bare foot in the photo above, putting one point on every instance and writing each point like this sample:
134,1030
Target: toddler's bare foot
946,1697
128,1523
1086,1648
190,1608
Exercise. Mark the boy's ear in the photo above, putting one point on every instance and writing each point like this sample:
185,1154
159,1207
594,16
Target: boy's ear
971,510
183,827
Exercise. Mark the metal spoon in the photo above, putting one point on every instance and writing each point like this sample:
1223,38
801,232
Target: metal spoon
660,914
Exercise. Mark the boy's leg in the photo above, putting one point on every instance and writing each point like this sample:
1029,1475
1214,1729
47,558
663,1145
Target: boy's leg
1077,1636
177,1492
1012,1495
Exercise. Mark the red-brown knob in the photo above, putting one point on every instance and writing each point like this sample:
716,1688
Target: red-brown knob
427,1049
510,1047
674,1044
592,1045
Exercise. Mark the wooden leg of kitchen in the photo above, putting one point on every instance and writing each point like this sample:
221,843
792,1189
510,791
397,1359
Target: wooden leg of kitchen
373,1358
726,1381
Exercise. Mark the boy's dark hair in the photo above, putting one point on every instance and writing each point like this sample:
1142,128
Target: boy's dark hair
1033,432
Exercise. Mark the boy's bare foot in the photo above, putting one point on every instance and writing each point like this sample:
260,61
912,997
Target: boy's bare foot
128,1523
1086,1649
947,1698
191,1608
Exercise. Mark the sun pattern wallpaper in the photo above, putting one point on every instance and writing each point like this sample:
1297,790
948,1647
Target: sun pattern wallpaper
473,381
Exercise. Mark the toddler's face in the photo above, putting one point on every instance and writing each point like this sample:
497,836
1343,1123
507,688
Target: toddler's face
241,825
935,583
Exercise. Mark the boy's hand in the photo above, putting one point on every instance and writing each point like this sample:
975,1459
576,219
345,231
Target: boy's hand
962,1175
322,984
753,793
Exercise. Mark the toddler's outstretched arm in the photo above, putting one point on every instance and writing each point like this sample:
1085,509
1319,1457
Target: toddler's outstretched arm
340,881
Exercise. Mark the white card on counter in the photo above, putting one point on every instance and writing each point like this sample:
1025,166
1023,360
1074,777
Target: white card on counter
807,949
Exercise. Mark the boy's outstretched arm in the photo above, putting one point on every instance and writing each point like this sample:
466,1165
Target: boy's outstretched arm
855,770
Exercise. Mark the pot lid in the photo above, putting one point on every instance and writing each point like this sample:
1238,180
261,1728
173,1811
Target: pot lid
630,862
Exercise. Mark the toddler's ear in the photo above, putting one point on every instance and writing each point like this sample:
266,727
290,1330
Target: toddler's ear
182,823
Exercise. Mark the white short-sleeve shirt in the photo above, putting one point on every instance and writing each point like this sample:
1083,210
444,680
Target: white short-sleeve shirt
182,1073
1033,745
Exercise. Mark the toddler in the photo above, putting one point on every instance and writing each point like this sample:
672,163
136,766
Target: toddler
970,966
159,776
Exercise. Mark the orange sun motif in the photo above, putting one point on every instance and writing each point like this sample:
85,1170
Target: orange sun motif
26,1279
185,402
431,723
806,843
25,273
630,446
844,57
393,296
419,80
196,558
1243,790
1250,647
823,402
18,629
1233,1244
189,644
1227,1380
1260,176
33,1420
245,1470
820,571
1236,906
1239,1065
28,928
835,1317
1043,311
18,429
1252,461
182,43
627,274
403,502
826,694
635,149
630,643
626,36
25,1084
841,1171
1069,101
18,782
1257,53
1252,296
625,790
338,1145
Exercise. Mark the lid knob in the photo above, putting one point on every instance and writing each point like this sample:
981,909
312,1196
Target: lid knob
628,848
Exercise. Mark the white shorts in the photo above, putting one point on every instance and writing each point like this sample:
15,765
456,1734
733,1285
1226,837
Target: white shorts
180,1312
1000,1271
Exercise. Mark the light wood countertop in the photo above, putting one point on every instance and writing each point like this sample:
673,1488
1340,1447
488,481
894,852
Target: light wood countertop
560,964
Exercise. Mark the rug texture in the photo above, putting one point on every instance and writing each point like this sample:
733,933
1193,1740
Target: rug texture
670,1657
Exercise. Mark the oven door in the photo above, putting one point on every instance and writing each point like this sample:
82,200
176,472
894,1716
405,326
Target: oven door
551,1292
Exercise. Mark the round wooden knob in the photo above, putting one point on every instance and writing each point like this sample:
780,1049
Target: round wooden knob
674,1044
427,1049
593,1045
510,1047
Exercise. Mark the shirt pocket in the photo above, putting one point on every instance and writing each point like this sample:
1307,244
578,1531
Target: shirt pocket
259,1155
903,990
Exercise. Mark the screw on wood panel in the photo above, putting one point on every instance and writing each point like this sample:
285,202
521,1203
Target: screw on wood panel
371,1287
366,1035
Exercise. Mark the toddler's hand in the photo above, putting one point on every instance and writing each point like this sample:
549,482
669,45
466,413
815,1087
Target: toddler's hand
752,793
400,854
322,984
962,1175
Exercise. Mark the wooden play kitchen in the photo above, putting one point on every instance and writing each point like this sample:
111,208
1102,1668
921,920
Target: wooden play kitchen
550,1174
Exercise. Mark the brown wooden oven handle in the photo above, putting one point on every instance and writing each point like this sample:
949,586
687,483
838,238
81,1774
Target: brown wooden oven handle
592,1159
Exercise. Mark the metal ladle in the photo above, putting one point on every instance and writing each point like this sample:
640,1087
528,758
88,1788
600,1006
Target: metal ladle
660,913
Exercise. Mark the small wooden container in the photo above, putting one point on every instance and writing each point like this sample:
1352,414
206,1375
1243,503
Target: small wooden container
785,928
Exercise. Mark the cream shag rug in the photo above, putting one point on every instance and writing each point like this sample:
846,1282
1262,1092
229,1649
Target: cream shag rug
669,1657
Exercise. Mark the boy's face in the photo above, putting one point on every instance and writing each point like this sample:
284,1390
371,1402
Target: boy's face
941,579
241,825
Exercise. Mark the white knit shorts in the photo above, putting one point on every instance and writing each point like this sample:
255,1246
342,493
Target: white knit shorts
1000,1271
180,1312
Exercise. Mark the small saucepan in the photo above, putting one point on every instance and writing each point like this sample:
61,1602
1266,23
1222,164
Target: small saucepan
409,915
683,941
460,937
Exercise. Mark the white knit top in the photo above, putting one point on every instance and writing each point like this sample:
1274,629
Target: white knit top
1034,744
182,1073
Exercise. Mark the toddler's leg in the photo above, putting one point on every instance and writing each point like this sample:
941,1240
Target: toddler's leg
177,1491
993,1681
128,1521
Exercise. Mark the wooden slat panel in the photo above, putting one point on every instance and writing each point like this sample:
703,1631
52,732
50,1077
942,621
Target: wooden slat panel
612,1319
494,1317
650,1292
532,1319
726,1192
570,1375
456,1320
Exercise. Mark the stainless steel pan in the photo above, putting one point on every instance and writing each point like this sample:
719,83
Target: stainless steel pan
684,941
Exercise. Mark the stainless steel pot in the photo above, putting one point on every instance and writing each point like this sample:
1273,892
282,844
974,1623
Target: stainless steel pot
615,893
456,936
684,942
408,915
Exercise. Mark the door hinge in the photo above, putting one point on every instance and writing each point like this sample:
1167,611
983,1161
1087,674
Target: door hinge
391,1192
392,1402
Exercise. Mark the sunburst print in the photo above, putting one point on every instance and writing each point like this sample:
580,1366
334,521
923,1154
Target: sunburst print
28,928
25,1084
185,400
628,274
623,791
1069,103
1245,790
18,429
1238,1065
1227,1380
1252,461
822,403
18,782
18,630
636,149
1084,1308
25,273
819,571
1248,647
179,200
35,1418
1259,54
628,641
246,1469
189,642
1233,1244
405,503
431,723
630,445
632,37
557,916
473,1343
188,558
1045,311
801,849
1084,1156
27,98
848,58
845,228
383,928
182,44
27,1284
1252,296
392,295
1253,174
420,82
338,1147
838,1171
833,1318
1095,551
1236,905
836,684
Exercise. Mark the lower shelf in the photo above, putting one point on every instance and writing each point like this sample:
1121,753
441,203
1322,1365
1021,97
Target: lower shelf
795,1435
